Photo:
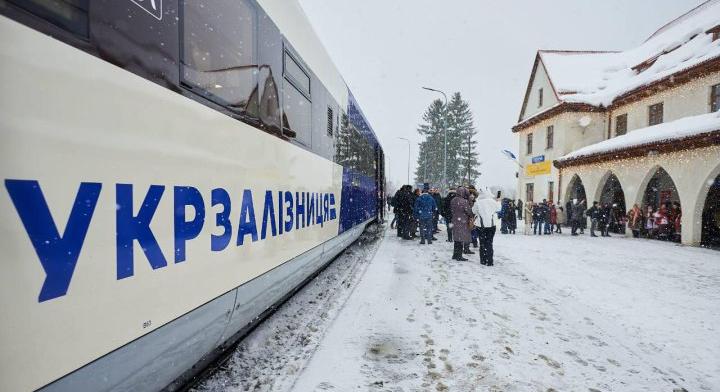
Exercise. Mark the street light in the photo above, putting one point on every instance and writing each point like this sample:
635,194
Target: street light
408,171
445,127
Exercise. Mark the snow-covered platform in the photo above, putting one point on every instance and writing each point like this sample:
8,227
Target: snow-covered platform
555,313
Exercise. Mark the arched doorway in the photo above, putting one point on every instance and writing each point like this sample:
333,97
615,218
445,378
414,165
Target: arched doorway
575,191
711,217
661,197
613,196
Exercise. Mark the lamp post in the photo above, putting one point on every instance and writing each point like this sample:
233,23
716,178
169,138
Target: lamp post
445,127
408,165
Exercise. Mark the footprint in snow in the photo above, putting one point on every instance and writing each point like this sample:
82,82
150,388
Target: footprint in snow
596,341
614,362
325,386
550,362
577,359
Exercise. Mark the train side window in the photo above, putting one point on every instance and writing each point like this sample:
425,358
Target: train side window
70,15
296,74
330,121
297,107
219,56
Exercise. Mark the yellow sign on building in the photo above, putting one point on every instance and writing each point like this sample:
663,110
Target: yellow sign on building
538,169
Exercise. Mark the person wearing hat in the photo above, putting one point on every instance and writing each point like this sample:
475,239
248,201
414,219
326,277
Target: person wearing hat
594,213
461,219
424,210
446,212
485,210
578,217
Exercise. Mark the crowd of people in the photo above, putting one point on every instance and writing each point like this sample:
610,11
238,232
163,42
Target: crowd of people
663,223
471,216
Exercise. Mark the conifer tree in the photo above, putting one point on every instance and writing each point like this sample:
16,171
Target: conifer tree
464,144
462,158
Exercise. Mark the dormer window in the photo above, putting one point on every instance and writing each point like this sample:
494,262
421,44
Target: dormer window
715,31
649,62
645,64
540,97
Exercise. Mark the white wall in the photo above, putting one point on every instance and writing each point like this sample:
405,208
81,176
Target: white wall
692,171
689,99
540,80
569,136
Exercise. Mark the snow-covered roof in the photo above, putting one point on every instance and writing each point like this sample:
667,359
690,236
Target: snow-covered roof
598,78
674,130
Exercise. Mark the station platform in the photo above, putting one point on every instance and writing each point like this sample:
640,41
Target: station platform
555,313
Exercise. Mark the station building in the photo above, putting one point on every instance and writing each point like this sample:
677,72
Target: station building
641,126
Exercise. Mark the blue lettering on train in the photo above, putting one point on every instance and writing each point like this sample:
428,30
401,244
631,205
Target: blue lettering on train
58,254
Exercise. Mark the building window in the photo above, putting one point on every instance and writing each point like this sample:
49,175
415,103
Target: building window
529,193
297,115
551,191
529,143
540,97
715,98
655,114
219,55
621,124
550,137
70,15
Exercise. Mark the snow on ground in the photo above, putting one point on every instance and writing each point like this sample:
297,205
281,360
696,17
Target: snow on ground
556,313
270,357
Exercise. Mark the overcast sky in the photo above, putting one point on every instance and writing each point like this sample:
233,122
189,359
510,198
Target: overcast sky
387,49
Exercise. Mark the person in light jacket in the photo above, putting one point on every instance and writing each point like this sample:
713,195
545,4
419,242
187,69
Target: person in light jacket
529,206
635,220
485,210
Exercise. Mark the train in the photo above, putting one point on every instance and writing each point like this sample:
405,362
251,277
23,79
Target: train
172,171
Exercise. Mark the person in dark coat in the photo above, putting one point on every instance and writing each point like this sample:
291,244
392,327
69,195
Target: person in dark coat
519,206
546,217
537,219
578,210
594,214
446,212
512,218
461,218
414,224
604,220
569,212
435,193
504,215
404,206
397,219
423,211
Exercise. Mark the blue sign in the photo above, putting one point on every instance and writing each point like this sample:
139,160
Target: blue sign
282,211
538,159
